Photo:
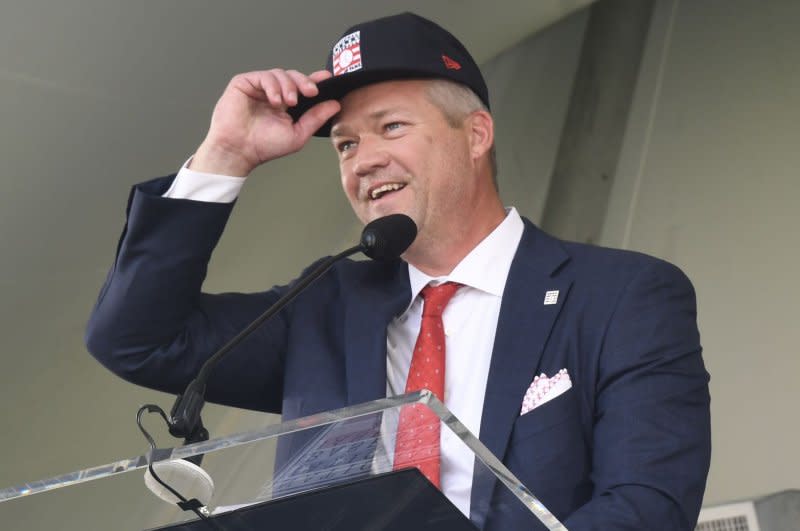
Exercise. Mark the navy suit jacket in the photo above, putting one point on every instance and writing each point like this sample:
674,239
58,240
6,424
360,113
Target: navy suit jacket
627,447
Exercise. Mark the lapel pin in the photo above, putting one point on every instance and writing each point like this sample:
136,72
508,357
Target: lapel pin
551,297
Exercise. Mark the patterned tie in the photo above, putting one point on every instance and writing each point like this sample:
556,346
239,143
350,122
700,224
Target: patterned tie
418,430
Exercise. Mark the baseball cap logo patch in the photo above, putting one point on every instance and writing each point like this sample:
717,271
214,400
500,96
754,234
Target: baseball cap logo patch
347,54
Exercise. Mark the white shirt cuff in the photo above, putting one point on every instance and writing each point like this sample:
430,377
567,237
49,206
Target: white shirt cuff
208,187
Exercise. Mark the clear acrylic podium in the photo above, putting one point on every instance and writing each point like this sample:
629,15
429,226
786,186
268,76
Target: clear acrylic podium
331,450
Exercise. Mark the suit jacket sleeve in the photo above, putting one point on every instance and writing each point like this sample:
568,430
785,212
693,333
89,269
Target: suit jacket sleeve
152,325
651,441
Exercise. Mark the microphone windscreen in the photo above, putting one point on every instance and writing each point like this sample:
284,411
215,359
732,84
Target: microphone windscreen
388,237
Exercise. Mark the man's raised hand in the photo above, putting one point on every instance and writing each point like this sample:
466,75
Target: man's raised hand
250,125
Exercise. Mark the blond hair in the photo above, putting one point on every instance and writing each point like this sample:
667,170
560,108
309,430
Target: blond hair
456,102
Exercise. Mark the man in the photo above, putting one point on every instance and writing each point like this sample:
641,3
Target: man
626,445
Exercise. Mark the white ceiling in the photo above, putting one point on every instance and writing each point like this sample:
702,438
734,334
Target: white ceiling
175,50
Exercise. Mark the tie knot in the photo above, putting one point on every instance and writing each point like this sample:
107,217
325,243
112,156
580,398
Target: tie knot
437,297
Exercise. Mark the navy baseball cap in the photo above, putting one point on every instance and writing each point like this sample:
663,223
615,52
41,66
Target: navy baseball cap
404,46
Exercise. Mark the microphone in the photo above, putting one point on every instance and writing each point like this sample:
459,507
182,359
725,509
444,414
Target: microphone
386,238
383,239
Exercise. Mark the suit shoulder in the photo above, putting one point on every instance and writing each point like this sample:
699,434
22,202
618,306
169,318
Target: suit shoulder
607,257
605,264
625,269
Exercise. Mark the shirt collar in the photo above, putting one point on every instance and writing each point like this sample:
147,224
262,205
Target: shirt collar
485,267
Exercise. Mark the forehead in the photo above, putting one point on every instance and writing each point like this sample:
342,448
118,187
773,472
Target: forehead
378,99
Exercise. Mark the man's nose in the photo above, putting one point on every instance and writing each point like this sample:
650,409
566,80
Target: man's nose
371,156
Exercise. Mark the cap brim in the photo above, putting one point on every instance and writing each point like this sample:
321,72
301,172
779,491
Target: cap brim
335,88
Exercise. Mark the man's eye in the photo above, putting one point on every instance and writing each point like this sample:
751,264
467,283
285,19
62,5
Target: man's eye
345,146
391,126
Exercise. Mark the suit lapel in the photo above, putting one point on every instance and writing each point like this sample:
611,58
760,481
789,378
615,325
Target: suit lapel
379,293
523,328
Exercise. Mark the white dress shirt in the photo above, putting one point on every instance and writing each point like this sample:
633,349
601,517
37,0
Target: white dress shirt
470,322
208,187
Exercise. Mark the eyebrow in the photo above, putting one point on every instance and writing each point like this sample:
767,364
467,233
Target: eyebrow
342,130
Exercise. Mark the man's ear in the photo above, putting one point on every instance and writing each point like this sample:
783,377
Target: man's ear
481,130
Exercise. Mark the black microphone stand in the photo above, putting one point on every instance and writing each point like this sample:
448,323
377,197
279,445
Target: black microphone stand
383,239
184,418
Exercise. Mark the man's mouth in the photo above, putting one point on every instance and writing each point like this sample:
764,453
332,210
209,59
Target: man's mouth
384,189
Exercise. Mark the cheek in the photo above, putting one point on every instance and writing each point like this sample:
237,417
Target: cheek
349,183
451,154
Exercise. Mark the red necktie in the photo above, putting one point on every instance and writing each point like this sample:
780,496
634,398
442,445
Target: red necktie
418,430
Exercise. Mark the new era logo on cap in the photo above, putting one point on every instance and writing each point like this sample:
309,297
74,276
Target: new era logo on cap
347,54
450,63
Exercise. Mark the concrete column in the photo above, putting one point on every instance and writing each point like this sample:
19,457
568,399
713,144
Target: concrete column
593,132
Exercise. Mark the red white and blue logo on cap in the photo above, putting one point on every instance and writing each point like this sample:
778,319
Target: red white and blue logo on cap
347,54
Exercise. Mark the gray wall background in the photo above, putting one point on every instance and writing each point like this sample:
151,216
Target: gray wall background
95,96
708,179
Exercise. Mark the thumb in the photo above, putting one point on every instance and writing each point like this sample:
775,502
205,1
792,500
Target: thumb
315,117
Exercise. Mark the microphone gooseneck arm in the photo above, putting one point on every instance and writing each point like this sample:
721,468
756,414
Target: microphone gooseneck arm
185,414
382,239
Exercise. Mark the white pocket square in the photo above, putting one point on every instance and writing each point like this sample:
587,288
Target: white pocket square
544,388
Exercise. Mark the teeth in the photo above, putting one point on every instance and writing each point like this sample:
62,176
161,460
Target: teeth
379,191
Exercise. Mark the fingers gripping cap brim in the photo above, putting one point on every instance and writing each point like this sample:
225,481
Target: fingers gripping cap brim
335,88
